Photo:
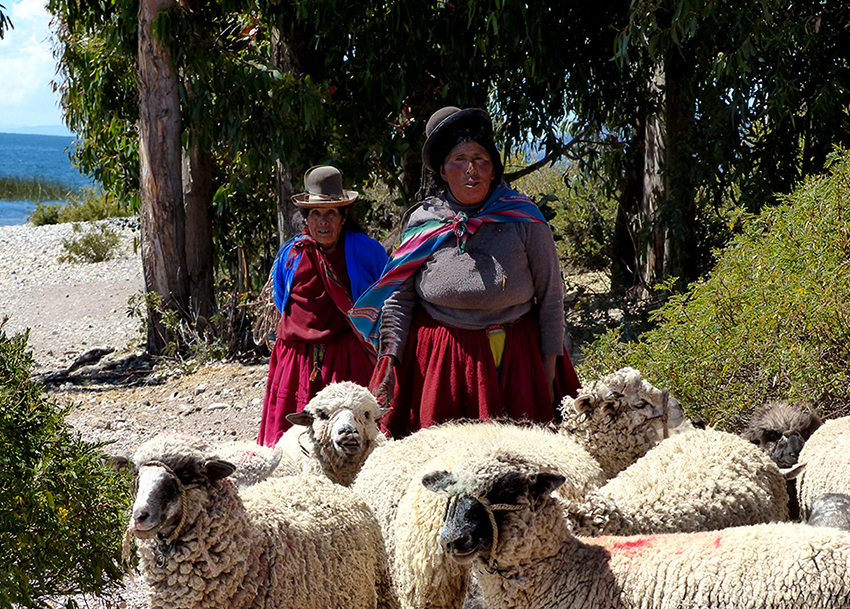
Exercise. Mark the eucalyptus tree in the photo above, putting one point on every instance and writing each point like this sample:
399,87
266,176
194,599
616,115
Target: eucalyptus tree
5,22
752,96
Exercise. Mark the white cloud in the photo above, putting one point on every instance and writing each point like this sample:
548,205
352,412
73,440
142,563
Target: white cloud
27,68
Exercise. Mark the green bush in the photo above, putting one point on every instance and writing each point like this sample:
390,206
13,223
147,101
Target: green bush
62,508
92,205
584,215
97,243
45,214
771,321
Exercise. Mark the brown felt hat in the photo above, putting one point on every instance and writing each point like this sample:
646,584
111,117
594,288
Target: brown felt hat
323,184
443,128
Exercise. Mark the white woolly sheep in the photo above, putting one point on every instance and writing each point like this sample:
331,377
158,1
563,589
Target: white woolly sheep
335,433
826,457
696,481
411,517
290,543
255,463
507,523
619,418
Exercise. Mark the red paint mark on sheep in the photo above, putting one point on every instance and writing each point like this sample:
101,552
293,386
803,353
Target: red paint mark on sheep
631,546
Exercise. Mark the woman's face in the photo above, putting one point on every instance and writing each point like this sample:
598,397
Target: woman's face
468,170
325,226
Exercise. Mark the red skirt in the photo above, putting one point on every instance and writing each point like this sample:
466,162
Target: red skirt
448,373
289,387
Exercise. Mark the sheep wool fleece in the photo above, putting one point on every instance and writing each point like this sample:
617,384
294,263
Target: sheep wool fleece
411,516
288,543
700,480
541,565
825,455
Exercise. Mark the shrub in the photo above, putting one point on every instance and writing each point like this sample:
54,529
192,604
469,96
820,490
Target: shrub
92,205
97,243
772,320
44,214
62,509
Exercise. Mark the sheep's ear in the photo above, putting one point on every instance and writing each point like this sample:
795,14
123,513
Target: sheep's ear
382,412
790,473
300,418
217,469
545,483
438,481
119,462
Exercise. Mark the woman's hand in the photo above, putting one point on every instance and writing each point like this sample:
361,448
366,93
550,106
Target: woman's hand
382,384
549,364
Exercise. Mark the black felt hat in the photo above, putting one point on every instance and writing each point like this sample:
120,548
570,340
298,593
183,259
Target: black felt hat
447,124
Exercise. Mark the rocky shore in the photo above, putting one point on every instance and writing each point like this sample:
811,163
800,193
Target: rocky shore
68,307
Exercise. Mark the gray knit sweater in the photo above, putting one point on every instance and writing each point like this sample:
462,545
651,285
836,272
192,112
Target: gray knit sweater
506,268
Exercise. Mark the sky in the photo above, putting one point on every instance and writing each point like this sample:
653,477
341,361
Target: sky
27,101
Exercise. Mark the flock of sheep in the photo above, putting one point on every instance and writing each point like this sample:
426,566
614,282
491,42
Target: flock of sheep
622,504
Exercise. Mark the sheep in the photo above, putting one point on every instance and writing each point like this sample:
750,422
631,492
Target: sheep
619,418
831,510
825,456
286,542
506,522
255,463
780,429
411,517
335,433
695,481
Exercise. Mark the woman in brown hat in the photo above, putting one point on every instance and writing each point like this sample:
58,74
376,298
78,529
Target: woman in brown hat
317,277
468,316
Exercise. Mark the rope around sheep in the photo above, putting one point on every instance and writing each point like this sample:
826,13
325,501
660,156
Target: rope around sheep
490,508
165,546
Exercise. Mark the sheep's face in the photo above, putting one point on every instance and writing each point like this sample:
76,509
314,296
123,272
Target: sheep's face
467,531
158,505
780,430
342,417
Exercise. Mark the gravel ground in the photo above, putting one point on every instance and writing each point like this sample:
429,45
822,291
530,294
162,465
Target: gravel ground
73,308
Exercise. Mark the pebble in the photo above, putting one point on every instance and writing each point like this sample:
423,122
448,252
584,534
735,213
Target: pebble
67,306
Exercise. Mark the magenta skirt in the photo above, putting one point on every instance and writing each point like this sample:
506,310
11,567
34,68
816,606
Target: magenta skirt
289,386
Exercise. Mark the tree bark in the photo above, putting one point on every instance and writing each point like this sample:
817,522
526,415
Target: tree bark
197,201
284,57
655,187
163,219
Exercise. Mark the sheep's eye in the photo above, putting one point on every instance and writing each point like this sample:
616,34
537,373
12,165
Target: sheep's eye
368,415
772,436
321,414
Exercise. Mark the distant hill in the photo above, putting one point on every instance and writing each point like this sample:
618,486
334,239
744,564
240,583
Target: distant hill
38,130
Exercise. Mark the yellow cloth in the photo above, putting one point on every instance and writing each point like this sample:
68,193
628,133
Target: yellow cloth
497,344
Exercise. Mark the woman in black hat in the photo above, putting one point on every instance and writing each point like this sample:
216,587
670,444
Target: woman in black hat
317,277
468,316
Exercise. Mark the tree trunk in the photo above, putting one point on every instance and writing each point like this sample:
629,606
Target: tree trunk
288,218
655,187
162,215
284,57
197,201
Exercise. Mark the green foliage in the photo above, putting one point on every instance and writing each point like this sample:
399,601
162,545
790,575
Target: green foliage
771,321
91,205
88,206
45,214
19,189
98,242
62,508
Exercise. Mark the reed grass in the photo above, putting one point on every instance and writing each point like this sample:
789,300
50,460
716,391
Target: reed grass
34,189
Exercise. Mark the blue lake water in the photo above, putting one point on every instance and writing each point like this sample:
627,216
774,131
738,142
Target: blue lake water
36,156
